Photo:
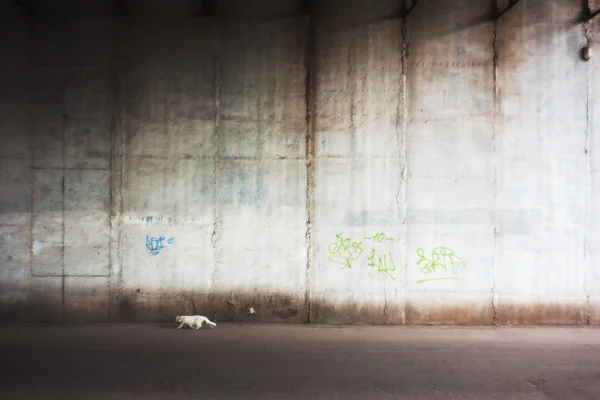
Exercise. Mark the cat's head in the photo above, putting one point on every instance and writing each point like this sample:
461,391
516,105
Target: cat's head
178,319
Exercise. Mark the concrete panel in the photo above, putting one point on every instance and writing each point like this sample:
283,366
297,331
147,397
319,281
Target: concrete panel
89,93
88,143
153,131
155,266
450,194
362,201
92,41
359,268
178,189
87,226
48,116
14,80
51,83
261,178
442,259
47,144
359,101
593,307
536,310
263,192
86,299
592,253
167,85
262,89
14,127
14,42
541,262
358,192
261,258
15,195
167,55
48,223
46,299
50,41
14,259
359,272
449,309
358,111
450,61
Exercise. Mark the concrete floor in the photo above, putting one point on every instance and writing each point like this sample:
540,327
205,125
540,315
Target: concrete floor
298,362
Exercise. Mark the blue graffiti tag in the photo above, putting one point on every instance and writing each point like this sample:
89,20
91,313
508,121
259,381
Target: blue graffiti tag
155,244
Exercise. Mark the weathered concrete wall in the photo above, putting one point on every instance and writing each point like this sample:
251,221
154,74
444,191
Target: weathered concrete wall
542,154
356,167
15,162
592,146
450,161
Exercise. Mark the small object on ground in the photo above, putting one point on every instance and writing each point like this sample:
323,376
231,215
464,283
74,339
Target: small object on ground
251,310
193,321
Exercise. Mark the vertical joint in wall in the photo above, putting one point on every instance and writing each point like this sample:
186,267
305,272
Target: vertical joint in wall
401,132
496,167
310,163
589,124
215,236
116,190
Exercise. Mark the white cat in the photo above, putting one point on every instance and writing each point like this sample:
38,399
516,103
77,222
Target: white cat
193,321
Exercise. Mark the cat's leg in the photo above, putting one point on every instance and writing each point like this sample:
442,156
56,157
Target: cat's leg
180,326
198,324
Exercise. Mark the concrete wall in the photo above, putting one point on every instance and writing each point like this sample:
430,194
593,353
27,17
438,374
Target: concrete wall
357,168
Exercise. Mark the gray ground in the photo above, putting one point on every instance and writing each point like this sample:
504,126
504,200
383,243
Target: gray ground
298,362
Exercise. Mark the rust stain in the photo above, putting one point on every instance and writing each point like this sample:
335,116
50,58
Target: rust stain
542,314
153,306
449,314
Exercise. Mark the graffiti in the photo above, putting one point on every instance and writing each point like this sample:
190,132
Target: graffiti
379,237
381,266
344,250
440,266
156,244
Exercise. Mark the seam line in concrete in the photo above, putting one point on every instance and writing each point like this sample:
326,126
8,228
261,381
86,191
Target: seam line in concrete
589,124
496,167
309,62
64,193
215,235
403,170
68,276
30,148
70,169
119,154
111,199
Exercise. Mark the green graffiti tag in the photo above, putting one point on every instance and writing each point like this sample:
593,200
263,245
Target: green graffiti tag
379,237
344,250
381,266
440,266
